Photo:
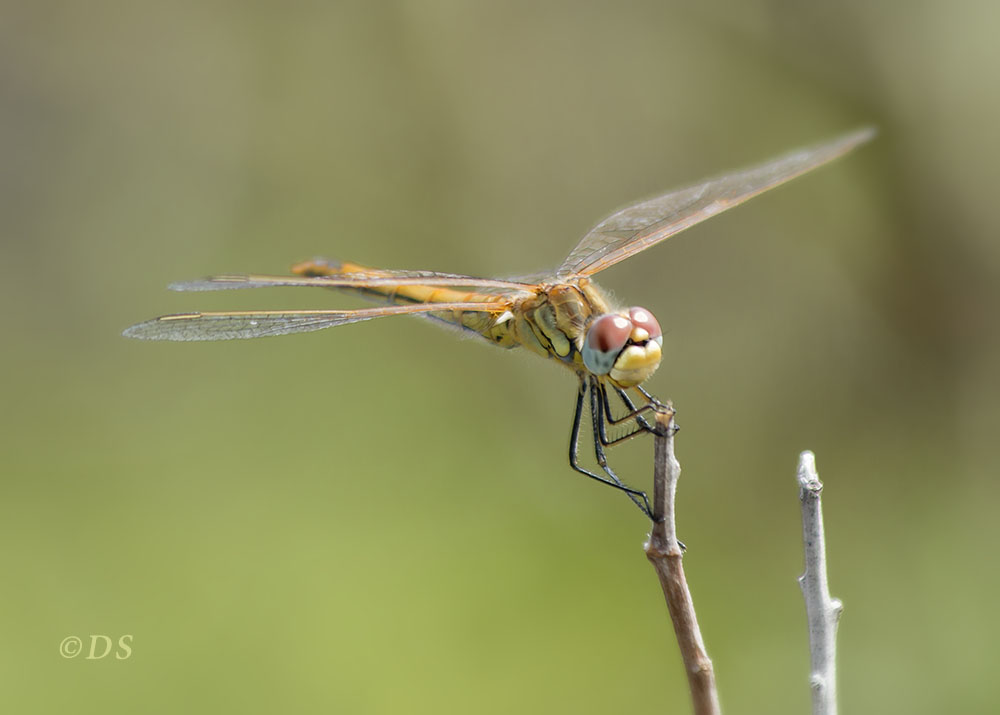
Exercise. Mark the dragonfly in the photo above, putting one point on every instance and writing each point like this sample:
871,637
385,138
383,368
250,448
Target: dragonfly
563,316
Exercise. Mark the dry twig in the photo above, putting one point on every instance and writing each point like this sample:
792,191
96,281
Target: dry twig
665,553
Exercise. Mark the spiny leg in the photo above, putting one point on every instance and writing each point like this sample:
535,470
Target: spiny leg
657,406
574,442
651,405
597,421
641,424
653,400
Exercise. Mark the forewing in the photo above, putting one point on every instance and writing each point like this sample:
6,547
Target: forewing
381,278
644,224
258,324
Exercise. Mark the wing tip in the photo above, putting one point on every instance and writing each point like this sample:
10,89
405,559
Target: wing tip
139,331
160,328
860,135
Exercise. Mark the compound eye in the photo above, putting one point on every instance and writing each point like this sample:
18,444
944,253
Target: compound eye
642,318
605,339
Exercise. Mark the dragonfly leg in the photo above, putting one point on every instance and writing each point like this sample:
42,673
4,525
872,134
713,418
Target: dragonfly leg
638,497
650,406
640,425
653,401
597,420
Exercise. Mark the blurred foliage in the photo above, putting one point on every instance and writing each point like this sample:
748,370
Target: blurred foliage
380,518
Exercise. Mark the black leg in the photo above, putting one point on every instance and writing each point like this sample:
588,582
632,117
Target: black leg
652,400
612,480
650,405
640,423
597,420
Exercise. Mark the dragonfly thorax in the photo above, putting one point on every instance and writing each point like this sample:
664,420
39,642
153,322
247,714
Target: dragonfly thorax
625,346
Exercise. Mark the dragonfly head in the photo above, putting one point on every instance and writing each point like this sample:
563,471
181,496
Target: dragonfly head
625,346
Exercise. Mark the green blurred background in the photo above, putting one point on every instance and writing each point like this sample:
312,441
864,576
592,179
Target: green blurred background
380,518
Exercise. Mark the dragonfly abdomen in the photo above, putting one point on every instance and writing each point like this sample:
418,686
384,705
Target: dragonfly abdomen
493,328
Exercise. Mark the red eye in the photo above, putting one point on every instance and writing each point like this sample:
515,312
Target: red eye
606,338
642,318
609,333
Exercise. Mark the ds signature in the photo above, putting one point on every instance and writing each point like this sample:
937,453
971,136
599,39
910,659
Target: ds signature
97,647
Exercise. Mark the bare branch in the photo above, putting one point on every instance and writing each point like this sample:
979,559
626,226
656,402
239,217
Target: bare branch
822,610
665,553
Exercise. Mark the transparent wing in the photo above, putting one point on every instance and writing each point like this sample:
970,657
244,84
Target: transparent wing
350,280
644,224
258,324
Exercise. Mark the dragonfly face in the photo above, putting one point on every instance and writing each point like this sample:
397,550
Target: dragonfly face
564,317
625,346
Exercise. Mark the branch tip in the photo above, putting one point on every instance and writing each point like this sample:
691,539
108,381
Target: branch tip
823,611
807,475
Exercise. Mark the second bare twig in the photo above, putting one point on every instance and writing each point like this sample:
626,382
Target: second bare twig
822,610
